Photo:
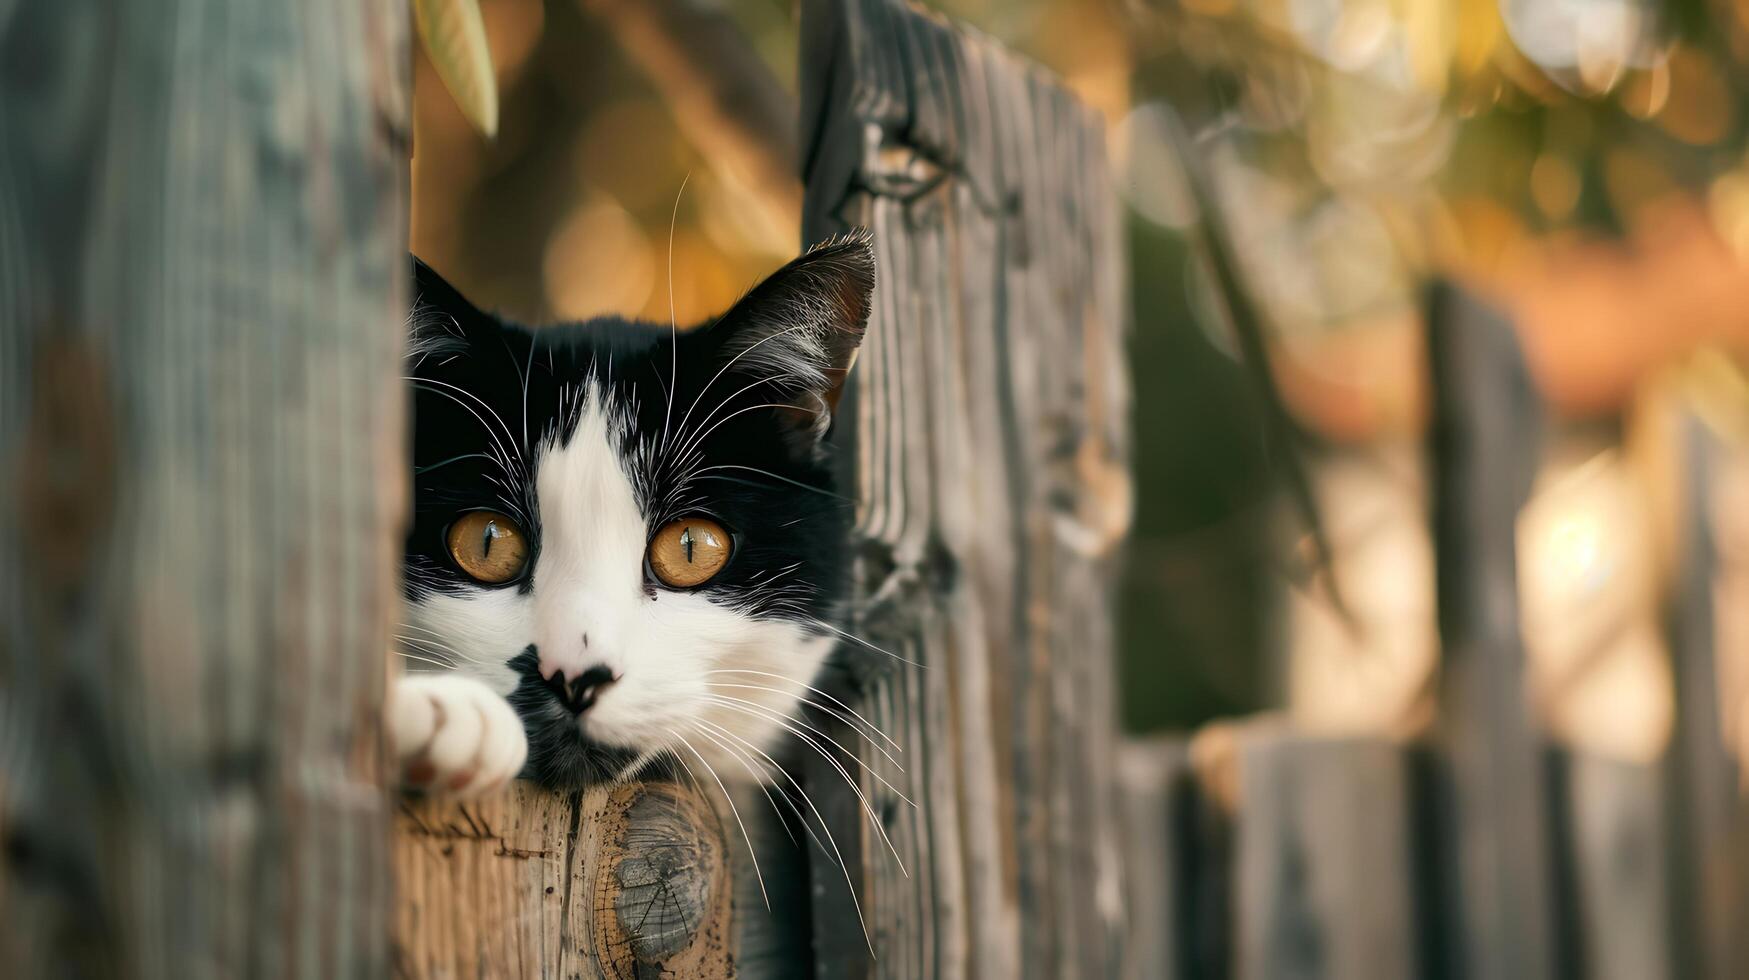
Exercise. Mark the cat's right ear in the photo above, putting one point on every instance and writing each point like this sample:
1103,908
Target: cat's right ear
798,331
441,317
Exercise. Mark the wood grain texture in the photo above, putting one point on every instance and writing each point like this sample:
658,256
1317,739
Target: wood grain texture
1497,892
627,881
202,265
988,442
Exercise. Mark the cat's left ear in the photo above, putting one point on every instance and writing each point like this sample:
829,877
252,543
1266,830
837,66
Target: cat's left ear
799,329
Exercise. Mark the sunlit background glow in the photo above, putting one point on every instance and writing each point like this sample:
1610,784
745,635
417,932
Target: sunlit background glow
1580,162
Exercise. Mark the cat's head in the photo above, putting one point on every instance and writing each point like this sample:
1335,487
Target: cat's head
631,531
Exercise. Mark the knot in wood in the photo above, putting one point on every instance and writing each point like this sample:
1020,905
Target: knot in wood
667,877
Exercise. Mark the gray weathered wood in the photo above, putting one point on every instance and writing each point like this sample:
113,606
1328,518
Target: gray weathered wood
202,257
1708,815
1497,894
1324,878
1620,868
1155,785
989,454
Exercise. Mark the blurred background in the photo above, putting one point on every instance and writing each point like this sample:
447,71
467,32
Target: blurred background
1580,163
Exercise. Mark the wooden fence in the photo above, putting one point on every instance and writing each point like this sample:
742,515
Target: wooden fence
201,243
1483,850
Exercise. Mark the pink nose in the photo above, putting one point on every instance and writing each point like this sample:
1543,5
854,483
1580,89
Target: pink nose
568,661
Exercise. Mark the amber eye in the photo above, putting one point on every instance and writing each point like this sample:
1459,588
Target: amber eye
488,546
689,552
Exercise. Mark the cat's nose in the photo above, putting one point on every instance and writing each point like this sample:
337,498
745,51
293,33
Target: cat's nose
579,693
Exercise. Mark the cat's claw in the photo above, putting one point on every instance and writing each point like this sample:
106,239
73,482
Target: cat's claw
453,735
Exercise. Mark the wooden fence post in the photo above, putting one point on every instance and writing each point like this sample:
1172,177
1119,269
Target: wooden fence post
1708,815
1325,857
1497,885
989,436
202,266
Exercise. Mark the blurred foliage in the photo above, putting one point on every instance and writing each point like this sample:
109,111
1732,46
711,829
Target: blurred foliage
566,213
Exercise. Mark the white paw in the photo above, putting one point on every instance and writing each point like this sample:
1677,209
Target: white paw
453,735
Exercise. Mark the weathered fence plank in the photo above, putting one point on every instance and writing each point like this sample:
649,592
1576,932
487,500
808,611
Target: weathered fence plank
202,255
1157,792
1497,887
1616,831
614,881
990,447
1709,818
1325,870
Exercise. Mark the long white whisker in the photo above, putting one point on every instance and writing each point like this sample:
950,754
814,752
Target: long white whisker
416,626
673,326
759,778
440,664
503,450
527,372
477,400
784,479
421,471
426,648
757,874
436,643
867,807
637,764
690,442
842,865
766,673
774,766
731,363
739,411
761,711
834,713
857,639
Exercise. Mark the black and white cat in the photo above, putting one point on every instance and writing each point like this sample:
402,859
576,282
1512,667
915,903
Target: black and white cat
626,539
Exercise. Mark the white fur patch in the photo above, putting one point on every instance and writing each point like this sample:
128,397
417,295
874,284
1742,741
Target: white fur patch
452,735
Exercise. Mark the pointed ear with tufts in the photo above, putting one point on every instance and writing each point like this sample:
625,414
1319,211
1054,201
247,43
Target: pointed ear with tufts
799,329
442,321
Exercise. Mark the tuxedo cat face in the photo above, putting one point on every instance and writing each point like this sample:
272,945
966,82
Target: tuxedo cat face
632,532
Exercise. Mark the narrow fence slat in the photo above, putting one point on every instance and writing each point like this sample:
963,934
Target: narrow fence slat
1622,889
202,279
1709,821
1496,890
1324,878
1156,790
988,429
